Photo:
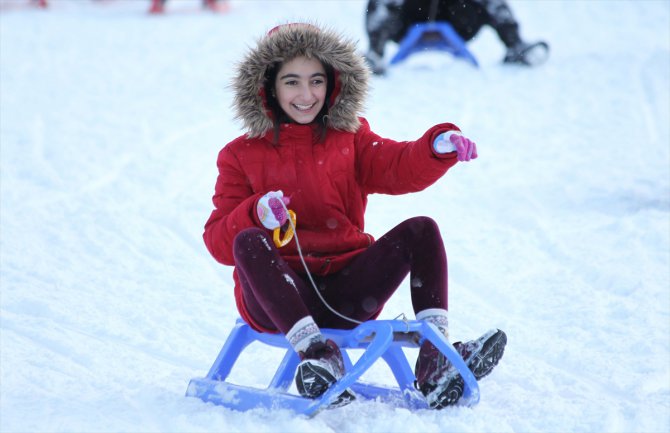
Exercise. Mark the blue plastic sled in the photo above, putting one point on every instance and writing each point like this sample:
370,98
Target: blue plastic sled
438,35
379,338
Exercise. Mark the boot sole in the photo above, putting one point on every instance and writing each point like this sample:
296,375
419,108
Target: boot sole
312,381
493,349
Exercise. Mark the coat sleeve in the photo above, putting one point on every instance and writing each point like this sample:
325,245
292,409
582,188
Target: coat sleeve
234,208
398,167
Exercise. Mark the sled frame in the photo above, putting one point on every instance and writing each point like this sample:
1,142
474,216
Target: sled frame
378,338
437,35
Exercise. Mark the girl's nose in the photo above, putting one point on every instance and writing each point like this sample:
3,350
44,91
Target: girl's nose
306,91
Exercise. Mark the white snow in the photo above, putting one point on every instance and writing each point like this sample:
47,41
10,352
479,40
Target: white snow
559,233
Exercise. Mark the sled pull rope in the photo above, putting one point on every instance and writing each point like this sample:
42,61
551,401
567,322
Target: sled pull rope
294,233
404,319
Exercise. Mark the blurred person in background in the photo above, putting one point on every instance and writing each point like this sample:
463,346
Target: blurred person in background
390,20
158,6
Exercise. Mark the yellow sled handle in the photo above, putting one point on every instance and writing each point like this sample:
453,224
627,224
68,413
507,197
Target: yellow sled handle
289,232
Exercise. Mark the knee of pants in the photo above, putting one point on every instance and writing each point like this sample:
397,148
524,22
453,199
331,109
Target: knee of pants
423,225
250,240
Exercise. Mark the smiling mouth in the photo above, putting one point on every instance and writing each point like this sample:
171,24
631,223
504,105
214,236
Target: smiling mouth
300,107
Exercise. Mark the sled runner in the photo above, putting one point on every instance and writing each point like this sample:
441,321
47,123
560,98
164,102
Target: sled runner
378,338
434,35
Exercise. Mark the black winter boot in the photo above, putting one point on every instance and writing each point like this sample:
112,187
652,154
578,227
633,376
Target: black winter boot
322,365
526,54
484,353
437,378
439,381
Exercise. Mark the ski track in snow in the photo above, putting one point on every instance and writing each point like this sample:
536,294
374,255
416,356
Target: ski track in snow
559,234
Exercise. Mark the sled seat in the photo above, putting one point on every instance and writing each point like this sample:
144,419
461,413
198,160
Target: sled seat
378,338
434,35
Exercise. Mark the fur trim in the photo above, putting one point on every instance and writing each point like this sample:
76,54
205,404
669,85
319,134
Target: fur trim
285,43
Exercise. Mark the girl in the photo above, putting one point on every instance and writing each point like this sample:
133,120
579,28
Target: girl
298,93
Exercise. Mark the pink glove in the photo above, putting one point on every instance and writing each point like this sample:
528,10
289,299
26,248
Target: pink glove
271,209
466,148
453,141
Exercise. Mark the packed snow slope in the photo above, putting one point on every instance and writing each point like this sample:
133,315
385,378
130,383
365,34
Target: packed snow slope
559,233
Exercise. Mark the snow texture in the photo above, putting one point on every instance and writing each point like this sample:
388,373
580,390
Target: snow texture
559,233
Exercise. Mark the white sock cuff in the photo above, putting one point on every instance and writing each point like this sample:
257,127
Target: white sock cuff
436,316
303,333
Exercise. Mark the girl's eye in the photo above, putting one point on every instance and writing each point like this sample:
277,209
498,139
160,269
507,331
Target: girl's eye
317,81
291,83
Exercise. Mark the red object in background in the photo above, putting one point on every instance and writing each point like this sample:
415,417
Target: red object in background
157,7
216,5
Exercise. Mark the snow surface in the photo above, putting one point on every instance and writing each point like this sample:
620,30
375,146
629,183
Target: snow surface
559,233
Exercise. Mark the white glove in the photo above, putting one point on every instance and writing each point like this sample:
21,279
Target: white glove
271,209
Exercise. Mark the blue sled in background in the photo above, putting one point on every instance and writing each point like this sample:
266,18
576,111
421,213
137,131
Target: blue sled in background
378,338
437,35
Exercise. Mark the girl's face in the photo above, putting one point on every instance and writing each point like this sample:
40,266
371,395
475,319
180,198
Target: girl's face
300,88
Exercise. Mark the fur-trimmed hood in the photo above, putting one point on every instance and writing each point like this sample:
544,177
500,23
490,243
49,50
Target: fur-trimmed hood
285,43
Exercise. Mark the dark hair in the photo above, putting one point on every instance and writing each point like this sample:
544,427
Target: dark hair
277,113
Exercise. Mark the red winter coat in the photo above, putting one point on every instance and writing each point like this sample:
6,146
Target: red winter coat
328,184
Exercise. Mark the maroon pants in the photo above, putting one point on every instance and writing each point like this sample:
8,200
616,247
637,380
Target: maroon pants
277,297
